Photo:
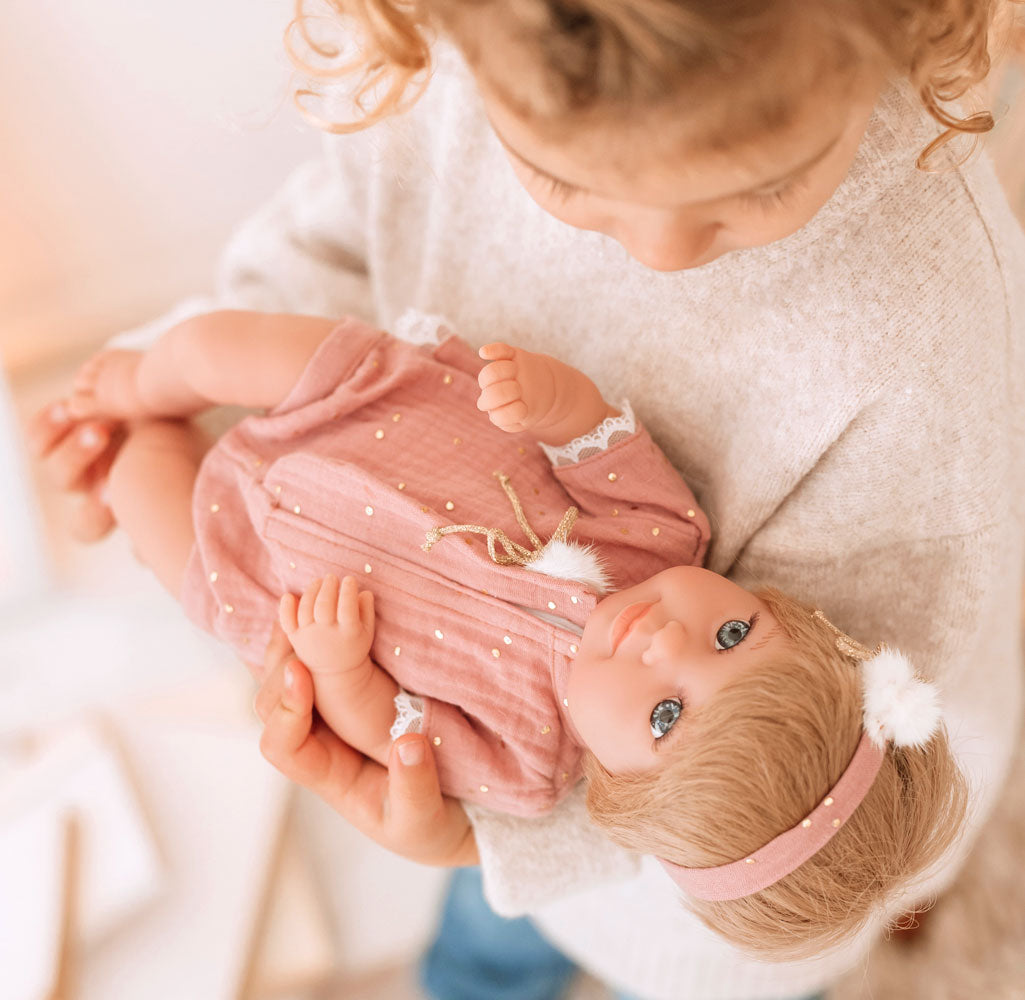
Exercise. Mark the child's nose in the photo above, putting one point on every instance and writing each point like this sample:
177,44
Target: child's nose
666,242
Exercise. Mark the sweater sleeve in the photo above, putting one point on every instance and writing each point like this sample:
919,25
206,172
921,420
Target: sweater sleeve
527,863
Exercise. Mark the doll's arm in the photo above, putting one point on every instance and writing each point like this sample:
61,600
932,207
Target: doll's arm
524,391
636,507
331,628
230,357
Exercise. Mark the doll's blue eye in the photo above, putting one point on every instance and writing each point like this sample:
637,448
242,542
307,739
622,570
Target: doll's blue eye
664,716
731,634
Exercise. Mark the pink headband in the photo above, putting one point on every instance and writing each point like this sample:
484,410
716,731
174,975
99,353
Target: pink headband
781,855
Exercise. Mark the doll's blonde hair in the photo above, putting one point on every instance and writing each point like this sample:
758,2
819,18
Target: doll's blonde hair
555,59
759,757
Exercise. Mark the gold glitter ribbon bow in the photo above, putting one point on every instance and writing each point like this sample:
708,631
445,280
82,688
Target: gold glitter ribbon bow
515,553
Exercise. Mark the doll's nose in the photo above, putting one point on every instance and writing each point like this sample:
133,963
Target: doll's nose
666,644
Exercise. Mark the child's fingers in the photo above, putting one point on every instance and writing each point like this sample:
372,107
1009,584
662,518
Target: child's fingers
277,652
287,608
497,371
289,720
304,616
325,605
269,694
499,394
366,609
497,351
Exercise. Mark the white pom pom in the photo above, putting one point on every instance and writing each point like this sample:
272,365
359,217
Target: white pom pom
571,561
898,706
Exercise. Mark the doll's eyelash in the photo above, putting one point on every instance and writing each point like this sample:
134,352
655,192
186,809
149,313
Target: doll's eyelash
663,743
751,622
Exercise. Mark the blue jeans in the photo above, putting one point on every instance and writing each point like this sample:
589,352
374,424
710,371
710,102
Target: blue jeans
478,955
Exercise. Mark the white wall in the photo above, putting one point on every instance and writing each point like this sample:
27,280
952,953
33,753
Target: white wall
132,136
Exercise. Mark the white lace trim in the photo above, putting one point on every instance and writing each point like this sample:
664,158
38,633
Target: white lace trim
409,715
609,432
416,327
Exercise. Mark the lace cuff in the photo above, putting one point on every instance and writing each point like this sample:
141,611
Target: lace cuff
409,715
415,327
609,432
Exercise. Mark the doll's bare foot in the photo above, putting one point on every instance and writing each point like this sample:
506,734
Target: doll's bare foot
107,386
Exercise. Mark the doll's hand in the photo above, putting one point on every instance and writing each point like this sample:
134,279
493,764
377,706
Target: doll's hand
331,626
518,388
523,391
400,807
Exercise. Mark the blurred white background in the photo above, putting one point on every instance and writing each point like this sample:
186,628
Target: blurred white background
134,136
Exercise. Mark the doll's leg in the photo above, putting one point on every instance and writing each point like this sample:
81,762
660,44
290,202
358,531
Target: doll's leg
223,358
150,493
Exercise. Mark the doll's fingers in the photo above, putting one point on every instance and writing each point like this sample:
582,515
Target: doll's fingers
304,615
497,371
366,609
325,605
510,417
499,394
497,351
287,612
348,601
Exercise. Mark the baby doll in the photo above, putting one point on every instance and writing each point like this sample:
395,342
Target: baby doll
372,463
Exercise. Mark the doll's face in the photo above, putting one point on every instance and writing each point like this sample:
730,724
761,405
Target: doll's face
653,653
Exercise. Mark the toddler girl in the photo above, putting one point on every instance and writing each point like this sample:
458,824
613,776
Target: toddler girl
840,379
513,664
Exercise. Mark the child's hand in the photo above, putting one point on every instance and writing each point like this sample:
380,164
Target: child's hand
523,391
400,807
75,457
331,627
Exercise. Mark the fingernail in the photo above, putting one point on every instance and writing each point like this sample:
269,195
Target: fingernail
289,678
90,438
411,752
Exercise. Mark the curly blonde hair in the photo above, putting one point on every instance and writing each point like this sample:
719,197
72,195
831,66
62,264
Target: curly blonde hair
757,759
562,58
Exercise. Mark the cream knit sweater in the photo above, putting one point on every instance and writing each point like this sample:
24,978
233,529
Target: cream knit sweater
847,404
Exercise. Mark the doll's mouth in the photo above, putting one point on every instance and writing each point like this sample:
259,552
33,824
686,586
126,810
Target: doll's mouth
626,620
